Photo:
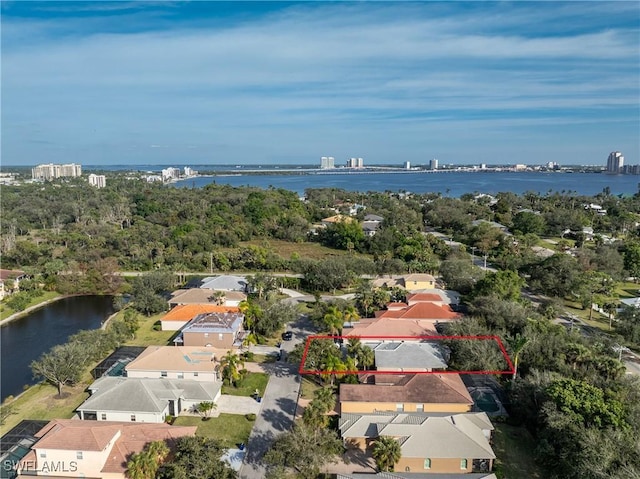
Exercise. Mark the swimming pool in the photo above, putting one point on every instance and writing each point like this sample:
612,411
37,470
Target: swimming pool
485,401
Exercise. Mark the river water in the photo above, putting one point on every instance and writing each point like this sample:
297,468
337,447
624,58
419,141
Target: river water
449,184
24,340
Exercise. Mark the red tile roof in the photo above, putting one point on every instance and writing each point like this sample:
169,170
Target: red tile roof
186,312
75,435
421,311
411,388
424,297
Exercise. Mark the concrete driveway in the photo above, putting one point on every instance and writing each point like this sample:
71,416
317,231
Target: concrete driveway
278,404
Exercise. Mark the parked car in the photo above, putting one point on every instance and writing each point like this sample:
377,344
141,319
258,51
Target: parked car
287,335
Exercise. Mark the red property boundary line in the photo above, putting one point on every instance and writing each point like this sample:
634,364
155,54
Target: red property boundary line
511,369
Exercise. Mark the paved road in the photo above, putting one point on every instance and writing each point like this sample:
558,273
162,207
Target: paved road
278,405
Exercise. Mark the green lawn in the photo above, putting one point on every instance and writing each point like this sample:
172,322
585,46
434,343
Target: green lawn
264,358
146,335
514,448
42,402
248,385
231,429
597,320
6,311
308,387
628,289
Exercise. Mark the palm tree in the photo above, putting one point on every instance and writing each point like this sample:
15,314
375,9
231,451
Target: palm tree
334,320
325,398
366,357
218,297
252,314
248,340
350,314
158,451
333,365
230,365
353,347
577,353
205,408
386,452
141,466
517,344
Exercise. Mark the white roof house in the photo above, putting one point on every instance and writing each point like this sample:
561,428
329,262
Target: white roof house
409,356
145,399
225,282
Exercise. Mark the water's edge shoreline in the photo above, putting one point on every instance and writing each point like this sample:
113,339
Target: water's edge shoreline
35,307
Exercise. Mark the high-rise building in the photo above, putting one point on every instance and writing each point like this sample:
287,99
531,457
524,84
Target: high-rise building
327,162
355,163
170,174
51,171
433,164
615,162
99,181
407,165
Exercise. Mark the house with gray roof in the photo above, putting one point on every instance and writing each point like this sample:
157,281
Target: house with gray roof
217,330
145,399
409,356
430,443
225,282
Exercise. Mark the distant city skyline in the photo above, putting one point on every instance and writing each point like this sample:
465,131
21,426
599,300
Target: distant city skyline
198,83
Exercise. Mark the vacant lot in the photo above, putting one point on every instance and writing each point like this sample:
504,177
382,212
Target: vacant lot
514,448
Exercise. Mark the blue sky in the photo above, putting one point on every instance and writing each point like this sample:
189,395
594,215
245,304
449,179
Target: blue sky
273,82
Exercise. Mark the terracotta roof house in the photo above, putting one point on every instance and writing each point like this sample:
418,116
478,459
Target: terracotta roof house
145,399
70,448
217,330
422,311
409,356
205,296
456,443
390,327
416,281
435,298
406,393
183,313
177,362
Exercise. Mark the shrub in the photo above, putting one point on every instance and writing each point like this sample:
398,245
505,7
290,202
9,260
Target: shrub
250,417
248,355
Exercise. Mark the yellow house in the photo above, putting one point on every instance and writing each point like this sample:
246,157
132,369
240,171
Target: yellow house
446,444
406,393
414,282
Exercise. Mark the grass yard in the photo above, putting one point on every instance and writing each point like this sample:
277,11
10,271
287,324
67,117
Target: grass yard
42,402
248,385
231,429
628,289
146,335
264,358
514,448
597,320
308,387
6,311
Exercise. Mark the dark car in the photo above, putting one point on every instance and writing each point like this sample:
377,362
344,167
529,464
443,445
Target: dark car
287,335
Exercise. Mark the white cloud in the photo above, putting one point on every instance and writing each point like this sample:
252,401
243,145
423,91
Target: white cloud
351,68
